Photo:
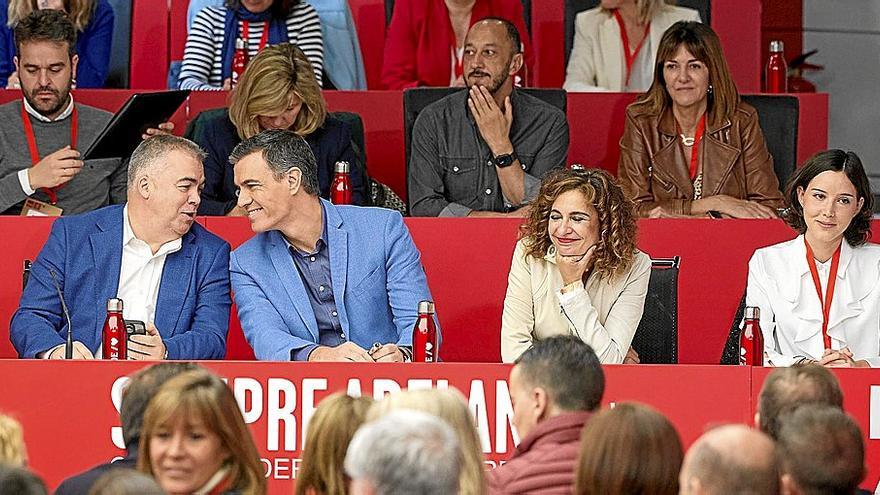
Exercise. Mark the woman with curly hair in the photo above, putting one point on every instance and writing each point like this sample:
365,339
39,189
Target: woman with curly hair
576,269
818,295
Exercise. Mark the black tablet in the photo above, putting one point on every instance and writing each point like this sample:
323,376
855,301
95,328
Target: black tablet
123,133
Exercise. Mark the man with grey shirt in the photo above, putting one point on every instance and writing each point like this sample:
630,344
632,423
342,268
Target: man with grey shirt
483,151
40,167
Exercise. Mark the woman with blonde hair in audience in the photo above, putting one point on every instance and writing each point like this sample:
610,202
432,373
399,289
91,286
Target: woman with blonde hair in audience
817,294
691,147
615,44
276,91
450,406
331,428
93,20
12,448
628,450
576,270
194,439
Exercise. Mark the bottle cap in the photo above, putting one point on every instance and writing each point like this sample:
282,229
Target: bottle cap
752,313
239,44
776,46
341,167
426,307
114,304
577,166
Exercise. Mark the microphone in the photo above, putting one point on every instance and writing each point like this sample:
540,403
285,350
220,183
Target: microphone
68,346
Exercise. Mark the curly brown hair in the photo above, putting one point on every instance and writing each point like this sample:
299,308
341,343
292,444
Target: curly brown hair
617,220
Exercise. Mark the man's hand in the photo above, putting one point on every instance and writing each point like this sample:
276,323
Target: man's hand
494,125
632,357
55,169
227,84
80,351
147,347
348,351
841,359
388,353
163,128
731,207
12,81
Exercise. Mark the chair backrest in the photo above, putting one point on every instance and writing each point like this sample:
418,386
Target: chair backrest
574,7
120,50
730,353
778,115
527,13
416,99
656,338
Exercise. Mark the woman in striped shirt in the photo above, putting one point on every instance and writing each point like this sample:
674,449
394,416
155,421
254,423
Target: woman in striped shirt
210,45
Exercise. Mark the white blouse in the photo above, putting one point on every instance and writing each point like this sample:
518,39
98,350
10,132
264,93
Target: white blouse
781,286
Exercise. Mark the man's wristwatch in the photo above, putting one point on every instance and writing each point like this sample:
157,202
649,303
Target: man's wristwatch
506,160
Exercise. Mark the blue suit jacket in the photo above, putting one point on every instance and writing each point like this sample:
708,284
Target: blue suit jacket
377,278
192,309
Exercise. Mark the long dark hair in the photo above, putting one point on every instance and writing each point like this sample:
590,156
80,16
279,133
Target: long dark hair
859,229
280,9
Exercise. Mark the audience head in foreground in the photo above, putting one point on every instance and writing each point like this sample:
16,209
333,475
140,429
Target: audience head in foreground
16,480
331,429
450,406
194,438
125,482
630,449
12,449
730,459
821,452
580,238
691,147
404,452
787,389
830,205
554,388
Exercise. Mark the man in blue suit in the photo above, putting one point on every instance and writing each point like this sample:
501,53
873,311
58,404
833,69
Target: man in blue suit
170,272
319,282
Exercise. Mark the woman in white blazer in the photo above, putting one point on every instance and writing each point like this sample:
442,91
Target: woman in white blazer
830,204
598,61
576,269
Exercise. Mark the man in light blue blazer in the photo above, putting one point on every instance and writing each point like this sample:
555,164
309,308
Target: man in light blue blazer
319,282
170,272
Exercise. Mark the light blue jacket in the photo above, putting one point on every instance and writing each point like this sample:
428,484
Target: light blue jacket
377,278
343,63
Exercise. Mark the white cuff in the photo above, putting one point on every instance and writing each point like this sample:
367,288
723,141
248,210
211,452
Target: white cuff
25,182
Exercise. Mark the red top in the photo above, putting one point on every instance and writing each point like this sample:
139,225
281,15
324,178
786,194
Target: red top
417,45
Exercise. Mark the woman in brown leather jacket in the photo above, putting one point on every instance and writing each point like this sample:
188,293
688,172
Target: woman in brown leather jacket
690,146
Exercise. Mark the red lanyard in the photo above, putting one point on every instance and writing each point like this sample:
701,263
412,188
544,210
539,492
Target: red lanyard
246,34
35,152
829,292
629,57
695,148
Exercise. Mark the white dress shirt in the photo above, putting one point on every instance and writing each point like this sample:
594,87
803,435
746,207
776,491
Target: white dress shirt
23,178
781,286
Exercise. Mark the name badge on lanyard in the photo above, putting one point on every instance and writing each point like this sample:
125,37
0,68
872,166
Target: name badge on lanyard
32,206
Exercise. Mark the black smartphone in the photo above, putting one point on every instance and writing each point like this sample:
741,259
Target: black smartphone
715,214
135,327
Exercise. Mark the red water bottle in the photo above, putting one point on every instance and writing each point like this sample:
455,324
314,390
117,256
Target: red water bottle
424,338
239,61
115,343
751,340
340,191
777,70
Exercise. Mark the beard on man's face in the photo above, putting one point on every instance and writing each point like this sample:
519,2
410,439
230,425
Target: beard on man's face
36,98
495,82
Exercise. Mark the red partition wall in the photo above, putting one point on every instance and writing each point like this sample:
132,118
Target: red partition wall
278,400
149,44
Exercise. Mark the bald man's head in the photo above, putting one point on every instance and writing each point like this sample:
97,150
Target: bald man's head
730,459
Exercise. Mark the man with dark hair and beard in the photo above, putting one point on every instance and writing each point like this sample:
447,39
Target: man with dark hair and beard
40,167
482,151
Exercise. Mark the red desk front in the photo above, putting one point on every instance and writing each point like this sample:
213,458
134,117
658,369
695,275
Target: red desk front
69,411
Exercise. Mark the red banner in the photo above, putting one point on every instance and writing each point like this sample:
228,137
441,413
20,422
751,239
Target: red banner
69,410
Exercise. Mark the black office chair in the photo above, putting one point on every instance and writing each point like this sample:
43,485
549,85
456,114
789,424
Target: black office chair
527,14
656,338
574,7
730,353
778,116
416,99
